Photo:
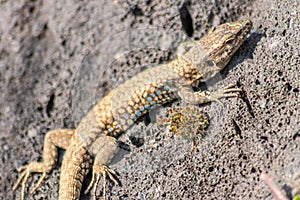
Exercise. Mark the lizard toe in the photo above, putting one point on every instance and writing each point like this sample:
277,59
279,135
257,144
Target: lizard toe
106,172
26,170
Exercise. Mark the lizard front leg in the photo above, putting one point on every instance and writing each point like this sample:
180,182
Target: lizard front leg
55,138
225,92
187,94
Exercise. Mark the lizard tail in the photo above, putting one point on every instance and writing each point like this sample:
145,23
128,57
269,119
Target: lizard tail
75,166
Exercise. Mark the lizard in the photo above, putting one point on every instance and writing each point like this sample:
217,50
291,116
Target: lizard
94,142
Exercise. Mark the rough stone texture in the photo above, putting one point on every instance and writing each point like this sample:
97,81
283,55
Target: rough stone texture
42,44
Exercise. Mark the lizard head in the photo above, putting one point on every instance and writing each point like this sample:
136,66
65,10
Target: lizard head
223,41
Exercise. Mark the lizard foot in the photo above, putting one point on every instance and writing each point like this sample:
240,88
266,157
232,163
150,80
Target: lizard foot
106,172
225,92
26,171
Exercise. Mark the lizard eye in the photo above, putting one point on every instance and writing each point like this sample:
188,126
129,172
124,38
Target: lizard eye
229,41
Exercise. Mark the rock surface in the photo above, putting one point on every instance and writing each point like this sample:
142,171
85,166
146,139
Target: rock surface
43,43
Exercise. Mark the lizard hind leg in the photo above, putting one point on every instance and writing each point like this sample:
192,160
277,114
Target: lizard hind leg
53,139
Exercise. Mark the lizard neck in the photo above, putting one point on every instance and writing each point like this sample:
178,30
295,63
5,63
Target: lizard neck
186,70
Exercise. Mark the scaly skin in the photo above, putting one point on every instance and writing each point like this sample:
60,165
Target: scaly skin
95,136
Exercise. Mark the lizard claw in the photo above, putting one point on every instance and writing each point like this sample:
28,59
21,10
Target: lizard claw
106,173
234,91
26,171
